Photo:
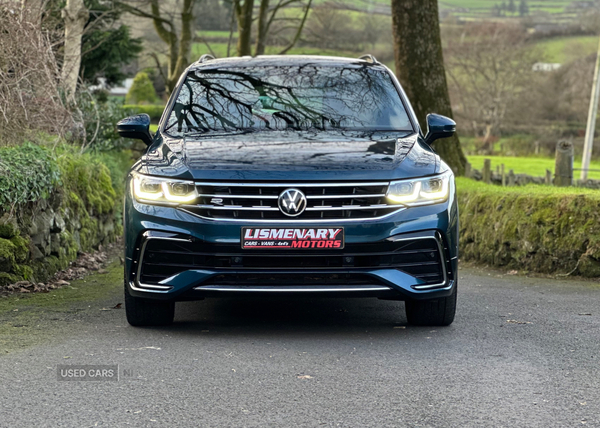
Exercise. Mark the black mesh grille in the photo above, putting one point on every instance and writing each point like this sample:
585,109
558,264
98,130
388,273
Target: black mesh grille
324,201
419,257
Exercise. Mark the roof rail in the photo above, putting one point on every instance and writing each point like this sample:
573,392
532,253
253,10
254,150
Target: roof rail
206,57
369,58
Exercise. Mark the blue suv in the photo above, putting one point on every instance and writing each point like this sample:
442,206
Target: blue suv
290,175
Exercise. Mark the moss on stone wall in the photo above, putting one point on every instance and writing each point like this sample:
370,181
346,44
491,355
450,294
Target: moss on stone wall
41,237
7,255
89,182
534,228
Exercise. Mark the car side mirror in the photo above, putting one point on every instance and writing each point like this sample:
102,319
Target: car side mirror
136,127
439,126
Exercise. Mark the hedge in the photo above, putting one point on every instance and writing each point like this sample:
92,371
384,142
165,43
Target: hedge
27,173
152,110
532,228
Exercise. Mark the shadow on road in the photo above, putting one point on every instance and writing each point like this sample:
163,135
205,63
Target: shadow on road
296,316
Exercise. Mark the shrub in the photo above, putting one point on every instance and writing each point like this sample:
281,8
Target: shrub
100,117
27,173
141,91
154,111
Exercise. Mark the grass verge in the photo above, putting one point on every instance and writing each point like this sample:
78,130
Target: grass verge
29,319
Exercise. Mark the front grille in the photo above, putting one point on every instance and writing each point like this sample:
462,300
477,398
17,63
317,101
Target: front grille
421,258
258,201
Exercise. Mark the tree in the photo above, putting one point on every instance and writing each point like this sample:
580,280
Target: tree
496,11
371,31
523,8
330,28
107,46
214,15
105,52
267,15
512,8
243,15
178,35
75,15
420,68
489,67
30,96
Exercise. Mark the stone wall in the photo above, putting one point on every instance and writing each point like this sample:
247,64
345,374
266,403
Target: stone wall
40,238
538,229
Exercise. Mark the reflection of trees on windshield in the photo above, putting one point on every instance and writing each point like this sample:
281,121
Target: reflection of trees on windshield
286,97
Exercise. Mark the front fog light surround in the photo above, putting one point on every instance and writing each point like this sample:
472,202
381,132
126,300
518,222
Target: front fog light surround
421,191
163,190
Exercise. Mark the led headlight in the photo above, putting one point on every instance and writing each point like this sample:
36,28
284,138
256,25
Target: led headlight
420,191
147,188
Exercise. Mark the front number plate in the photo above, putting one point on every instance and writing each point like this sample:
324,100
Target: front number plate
302,238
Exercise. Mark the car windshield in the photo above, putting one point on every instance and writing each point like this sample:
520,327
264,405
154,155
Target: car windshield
287,97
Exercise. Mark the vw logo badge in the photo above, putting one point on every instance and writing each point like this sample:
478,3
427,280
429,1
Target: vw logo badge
292,202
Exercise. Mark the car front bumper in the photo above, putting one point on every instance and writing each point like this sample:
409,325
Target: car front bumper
191,258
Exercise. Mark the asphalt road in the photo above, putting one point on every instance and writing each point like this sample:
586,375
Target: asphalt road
522,353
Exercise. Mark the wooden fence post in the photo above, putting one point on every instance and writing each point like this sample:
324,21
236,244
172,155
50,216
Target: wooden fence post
487,171
468,170
563,169
503,175
548,179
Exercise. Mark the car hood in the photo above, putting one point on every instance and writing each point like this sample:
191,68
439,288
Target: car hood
291,156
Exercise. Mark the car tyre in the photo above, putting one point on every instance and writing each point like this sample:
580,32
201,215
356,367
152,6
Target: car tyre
142,312
434,312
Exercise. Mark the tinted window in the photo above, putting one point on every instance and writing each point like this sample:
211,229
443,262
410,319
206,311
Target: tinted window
276,98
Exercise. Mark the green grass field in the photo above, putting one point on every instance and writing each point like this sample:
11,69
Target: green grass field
531,166
468,184
208,34
567,49
551,6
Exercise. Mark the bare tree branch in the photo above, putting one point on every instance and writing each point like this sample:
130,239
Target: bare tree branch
299,32
159,67
143,14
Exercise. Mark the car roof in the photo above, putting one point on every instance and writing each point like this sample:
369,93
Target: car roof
284,60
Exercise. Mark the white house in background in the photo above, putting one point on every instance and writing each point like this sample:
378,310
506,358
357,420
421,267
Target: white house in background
118,91
546,66
121,91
